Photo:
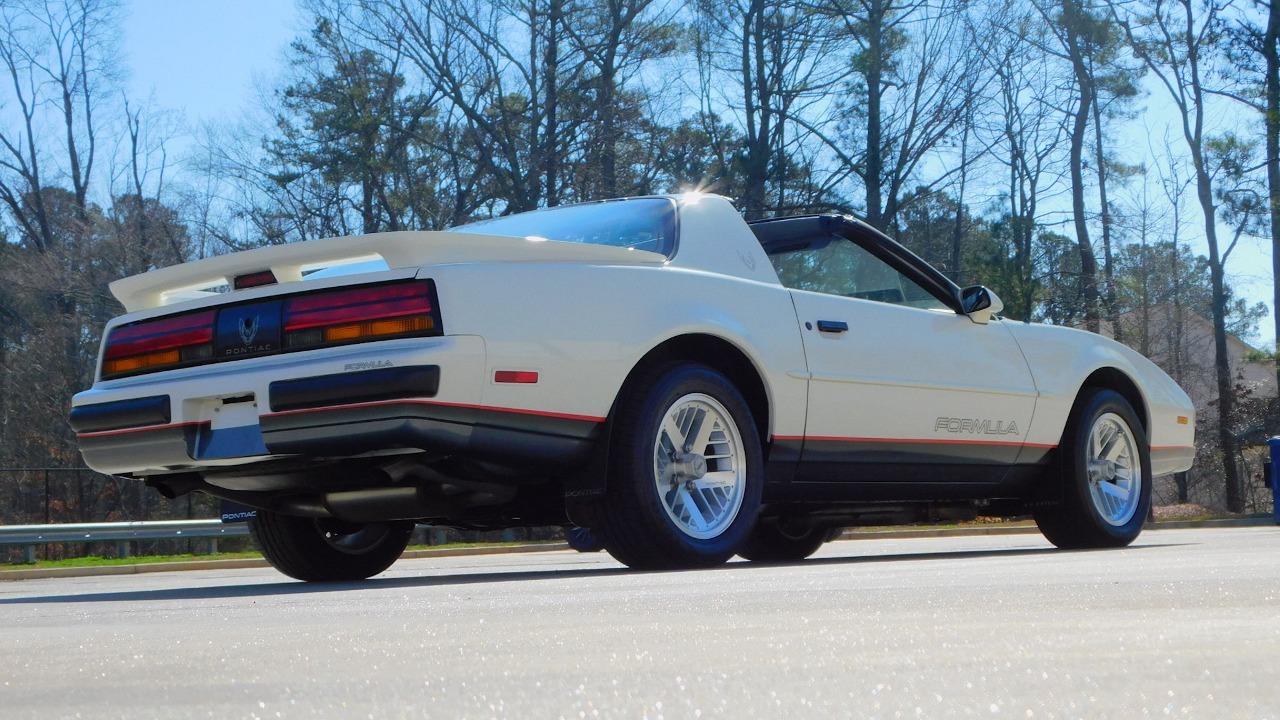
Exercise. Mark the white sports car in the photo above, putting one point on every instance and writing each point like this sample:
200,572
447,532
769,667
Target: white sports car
683,383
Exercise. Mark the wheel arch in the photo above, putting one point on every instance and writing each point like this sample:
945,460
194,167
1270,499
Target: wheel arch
703,348
717,353
1112,378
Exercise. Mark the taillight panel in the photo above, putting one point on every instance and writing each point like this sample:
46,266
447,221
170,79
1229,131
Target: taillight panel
159,344
321,318
165,334
360,314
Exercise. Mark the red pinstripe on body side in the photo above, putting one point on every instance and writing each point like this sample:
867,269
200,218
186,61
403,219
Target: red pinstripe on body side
376,403
915,441
440,403
144,428
944,441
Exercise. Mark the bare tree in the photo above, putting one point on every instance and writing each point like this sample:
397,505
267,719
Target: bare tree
771,65
56,56
1178,41
506,93
1252,39
617,38
1270,47
1074,30
915,71
1028,135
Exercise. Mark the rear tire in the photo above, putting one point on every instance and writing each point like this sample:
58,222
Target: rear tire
328,550
1105,470
687,471
773,541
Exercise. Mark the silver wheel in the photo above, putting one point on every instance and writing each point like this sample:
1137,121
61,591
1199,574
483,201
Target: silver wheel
1114,466
699,466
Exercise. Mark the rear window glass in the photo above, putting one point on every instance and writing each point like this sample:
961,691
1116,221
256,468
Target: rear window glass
641,223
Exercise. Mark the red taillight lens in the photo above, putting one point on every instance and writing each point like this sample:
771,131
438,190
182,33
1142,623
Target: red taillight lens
158,343
252,280
364,313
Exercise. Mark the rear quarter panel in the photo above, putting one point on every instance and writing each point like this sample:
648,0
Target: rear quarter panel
583,328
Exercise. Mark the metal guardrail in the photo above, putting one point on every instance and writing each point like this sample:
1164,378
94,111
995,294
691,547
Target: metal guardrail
122,533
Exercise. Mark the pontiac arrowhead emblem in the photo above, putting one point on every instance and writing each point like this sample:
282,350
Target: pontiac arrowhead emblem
248,329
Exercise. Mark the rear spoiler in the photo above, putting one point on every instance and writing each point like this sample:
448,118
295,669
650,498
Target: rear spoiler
397,249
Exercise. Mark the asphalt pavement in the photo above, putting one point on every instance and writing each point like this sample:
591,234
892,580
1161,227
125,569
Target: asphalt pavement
1185,623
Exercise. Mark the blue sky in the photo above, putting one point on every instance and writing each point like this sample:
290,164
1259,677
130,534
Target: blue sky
206,59
203,57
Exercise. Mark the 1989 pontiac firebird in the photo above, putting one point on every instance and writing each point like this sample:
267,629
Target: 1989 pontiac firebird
685,384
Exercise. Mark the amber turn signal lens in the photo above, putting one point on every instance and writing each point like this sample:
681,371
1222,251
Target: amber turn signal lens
138,362
375,328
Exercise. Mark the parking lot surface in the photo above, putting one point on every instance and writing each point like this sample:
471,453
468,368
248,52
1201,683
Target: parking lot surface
1184,623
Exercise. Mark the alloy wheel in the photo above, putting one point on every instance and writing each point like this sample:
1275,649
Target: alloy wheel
1114,467
699,466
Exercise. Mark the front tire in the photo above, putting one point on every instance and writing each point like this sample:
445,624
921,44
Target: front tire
328,550
687,471
1105,469
582,540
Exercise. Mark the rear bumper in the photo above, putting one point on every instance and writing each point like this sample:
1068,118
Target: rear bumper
500,435
345,430
423,394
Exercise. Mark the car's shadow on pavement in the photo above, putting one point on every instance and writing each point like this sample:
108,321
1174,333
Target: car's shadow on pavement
214,592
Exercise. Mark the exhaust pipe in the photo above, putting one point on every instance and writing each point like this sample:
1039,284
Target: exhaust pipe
176,485
369,505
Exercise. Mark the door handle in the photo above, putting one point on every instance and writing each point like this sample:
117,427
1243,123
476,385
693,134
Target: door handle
833,326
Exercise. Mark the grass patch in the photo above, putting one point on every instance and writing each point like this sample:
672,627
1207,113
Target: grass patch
95,561
970,525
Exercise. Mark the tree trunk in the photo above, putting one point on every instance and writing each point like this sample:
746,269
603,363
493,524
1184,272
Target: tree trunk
1221,363
1271,51
1178,315
608,133
875,73
957,228
1104,208
368,219
552,134
756,104
1071,19
1144,299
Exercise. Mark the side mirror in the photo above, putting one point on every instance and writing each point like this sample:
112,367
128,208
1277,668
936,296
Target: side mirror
979,303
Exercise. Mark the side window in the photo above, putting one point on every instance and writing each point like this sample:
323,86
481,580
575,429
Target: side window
841,267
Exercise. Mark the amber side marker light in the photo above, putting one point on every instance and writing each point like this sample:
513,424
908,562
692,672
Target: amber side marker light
1183,420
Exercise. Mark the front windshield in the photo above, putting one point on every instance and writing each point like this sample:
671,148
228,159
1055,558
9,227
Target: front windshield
640,223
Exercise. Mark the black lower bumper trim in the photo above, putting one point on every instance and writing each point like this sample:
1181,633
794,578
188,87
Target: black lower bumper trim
135,412
415,381
472,432
527,442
